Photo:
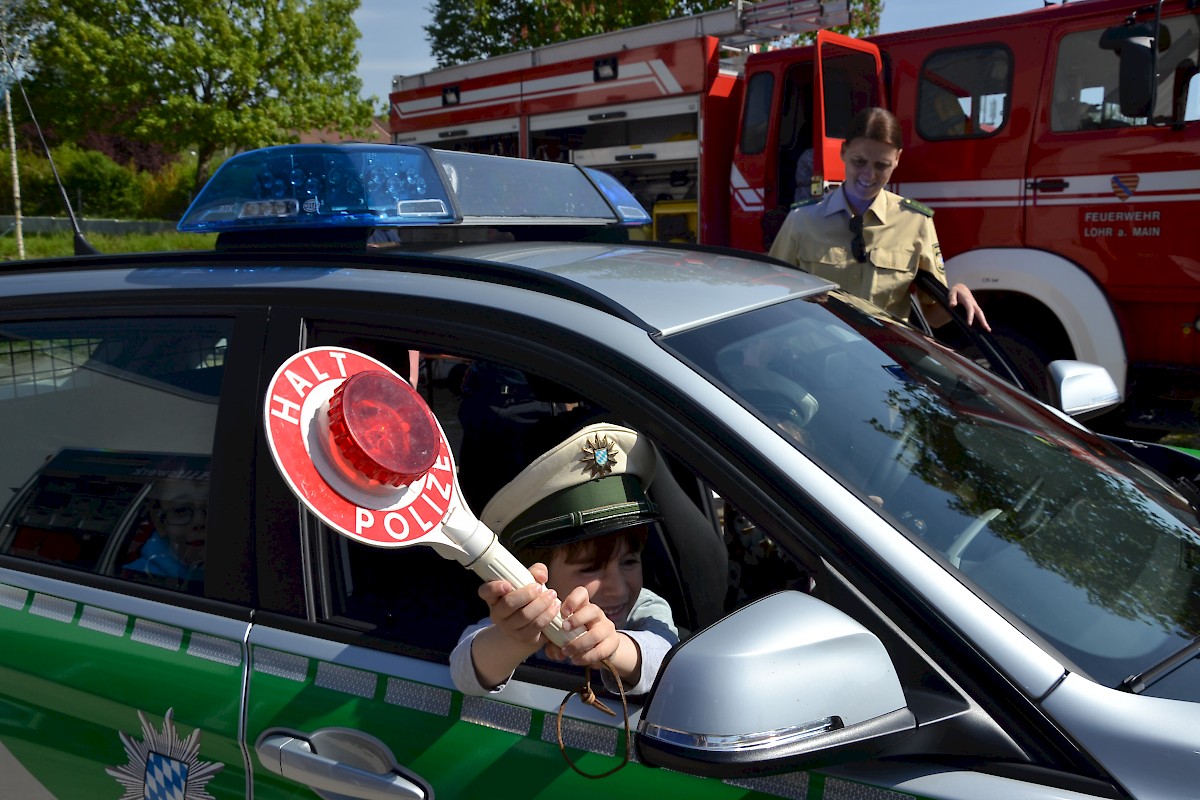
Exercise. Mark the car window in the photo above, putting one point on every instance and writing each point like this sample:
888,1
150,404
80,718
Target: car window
706,559
1088,548
107,457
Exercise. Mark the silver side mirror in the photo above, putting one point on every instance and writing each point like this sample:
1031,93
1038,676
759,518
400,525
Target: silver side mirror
1084,389
787,682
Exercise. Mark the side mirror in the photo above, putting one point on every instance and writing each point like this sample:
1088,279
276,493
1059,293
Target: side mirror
787,682
1084,389
1135,45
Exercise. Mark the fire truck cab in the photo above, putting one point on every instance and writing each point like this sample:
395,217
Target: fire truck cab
1060,149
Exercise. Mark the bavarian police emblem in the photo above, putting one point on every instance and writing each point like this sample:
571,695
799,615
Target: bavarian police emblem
162,766
599,456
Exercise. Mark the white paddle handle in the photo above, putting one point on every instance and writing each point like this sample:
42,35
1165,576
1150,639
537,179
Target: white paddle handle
483,554
497,563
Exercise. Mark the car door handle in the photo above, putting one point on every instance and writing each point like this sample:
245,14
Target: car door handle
344,761
1048,185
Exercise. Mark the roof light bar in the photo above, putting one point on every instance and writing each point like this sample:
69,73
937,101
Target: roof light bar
371,186
314,186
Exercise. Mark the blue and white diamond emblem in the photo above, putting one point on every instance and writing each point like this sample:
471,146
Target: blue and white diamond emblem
166,778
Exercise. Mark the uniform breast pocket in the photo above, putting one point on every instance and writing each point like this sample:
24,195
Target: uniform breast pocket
895,259
829,263
894,271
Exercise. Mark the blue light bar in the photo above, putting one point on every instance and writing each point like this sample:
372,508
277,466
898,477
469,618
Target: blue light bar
316,186
628,209
382,185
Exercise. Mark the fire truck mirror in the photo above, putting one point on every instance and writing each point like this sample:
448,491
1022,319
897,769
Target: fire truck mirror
1134,45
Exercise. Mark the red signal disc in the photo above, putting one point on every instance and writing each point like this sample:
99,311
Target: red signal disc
317,471
382,428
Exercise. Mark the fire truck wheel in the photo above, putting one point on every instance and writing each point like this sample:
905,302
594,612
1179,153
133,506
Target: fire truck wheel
1030,360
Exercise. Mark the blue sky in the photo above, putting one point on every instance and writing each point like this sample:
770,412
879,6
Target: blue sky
393,31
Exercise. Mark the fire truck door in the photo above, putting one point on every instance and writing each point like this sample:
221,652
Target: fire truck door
848,78
1116,193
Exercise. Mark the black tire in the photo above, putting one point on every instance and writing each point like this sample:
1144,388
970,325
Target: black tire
1031,361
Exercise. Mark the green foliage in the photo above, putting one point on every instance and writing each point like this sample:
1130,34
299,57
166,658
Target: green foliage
165,194
96,186
197,75
504,26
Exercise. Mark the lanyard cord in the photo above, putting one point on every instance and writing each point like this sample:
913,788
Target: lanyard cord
588,696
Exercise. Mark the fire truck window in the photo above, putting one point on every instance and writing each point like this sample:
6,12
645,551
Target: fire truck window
1087,80
109,430
964,93
848,85
756,118
1180,67
1086,90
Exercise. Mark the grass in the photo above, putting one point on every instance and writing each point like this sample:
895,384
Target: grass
1190,441
51,245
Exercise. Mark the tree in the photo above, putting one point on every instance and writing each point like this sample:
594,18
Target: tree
504,26
16,29
199,75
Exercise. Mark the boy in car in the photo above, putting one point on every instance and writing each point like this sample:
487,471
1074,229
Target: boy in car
580,515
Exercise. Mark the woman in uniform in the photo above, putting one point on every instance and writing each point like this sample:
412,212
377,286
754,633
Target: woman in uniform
870,241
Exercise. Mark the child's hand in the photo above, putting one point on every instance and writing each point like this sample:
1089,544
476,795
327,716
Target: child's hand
522,613
600,638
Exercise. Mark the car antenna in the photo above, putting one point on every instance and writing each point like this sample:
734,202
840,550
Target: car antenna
82,246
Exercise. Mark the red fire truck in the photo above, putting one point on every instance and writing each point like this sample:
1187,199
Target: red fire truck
1060,149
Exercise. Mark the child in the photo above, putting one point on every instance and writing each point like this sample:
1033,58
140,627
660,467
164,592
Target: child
580,513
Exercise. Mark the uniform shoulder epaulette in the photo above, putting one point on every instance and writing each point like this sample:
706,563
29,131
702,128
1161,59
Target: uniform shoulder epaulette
920,208
802,203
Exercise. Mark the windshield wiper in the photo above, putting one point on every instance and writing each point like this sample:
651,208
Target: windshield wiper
1136,684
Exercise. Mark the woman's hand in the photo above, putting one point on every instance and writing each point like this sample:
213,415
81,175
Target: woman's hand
961,295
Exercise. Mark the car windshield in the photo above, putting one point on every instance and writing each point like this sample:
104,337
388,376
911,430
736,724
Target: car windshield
1097,554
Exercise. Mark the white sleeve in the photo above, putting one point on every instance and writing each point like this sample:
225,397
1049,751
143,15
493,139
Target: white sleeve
652,628
654,649
462,667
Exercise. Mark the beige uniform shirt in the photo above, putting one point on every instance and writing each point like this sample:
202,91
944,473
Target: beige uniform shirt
899,239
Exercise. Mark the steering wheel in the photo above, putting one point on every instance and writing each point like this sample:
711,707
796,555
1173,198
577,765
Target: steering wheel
963,540
780,410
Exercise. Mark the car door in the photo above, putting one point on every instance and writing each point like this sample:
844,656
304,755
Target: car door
349,684
354,688
122,665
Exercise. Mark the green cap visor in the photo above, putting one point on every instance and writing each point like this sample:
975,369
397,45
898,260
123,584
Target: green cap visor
581,512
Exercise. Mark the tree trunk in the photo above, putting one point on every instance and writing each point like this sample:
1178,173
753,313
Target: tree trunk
16,175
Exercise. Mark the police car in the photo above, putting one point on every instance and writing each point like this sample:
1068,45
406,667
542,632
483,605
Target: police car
896,575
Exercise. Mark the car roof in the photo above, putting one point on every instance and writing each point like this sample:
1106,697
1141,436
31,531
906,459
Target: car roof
667,289
662,289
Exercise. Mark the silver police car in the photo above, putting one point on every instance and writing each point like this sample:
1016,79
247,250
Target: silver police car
895,574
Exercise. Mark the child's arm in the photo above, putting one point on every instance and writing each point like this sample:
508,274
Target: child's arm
518,618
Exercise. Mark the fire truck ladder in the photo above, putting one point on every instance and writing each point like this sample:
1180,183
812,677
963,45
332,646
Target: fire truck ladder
738,26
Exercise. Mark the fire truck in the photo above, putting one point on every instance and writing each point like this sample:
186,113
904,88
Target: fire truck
1059,148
